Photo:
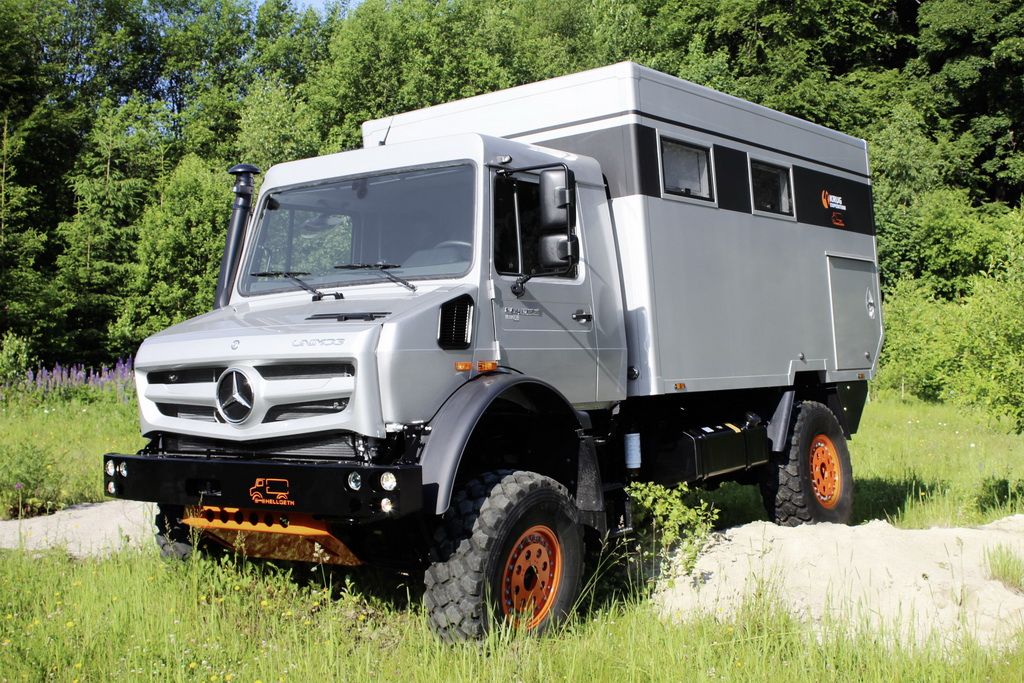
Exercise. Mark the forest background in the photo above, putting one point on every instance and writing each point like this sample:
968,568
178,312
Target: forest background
119,118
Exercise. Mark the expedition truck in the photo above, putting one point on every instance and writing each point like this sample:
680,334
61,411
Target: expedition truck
449,351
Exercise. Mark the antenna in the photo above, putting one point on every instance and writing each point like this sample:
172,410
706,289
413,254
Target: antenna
384,139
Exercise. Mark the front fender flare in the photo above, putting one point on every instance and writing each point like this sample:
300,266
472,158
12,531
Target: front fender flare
454,423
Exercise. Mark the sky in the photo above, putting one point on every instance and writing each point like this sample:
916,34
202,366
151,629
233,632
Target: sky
316,4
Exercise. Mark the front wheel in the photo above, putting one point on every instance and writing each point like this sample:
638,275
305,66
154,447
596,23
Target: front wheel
173,538
815,481
508,549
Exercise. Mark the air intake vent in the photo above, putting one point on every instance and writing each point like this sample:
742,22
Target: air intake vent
186,376
325,446
455,323
297,411
306,370
187,412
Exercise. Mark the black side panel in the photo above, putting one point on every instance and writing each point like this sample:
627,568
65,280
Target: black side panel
611,148
645,141
833,202
732,179
850,398
628,156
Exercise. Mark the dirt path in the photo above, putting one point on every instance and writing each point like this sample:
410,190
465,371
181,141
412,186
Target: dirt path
87,529
917,584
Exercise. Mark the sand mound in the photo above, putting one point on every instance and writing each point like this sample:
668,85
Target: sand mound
915,584
87,529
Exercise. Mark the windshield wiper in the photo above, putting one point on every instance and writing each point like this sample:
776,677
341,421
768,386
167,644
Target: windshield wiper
382,268
293,275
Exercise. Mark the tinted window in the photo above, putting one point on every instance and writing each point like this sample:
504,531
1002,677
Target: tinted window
685,170
771,188
517,226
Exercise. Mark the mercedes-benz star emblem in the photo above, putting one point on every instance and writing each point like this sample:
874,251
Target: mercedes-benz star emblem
234,396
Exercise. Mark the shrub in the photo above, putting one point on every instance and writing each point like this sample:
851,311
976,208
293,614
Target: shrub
15,359
28,483
991,359
921,341
674,523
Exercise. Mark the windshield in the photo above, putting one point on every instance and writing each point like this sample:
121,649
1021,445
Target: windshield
416,224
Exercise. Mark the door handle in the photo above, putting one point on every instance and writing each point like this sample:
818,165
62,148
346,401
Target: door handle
581,317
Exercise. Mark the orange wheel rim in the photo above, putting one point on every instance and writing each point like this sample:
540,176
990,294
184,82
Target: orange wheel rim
529,581
826,471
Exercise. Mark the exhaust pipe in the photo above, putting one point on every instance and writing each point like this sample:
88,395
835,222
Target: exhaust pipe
236,231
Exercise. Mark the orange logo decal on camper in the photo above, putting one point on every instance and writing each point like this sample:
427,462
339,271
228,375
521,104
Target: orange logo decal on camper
270,492
832,201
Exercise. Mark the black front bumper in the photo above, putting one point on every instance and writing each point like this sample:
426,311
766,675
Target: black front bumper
274,486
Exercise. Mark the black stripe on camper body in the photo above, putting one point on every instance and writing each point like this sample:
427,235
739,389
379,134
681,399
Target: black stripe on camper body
629,157
617,149
673,122
833,202
733,179
649,176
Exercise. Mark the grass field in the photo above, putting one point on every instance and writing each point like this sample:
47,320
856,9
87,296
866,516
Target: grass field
133,616
52,448
918,465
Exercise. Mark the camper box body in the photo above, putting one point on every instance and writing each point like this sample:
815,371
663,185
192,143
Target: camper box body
718,293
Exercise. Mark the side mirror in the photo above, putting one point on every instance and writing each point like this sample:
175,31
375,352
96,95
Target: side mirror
558,251
557,199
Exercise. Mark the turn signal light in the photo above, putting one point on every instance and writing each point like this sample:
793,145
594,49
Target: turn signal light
463,365
487,366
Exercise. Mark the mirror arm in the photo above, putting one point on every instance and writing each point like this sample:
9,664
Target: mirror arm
518,287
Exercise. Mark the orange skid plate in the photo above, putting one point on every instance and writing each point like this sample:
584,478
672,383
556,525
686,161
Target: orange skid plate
271,535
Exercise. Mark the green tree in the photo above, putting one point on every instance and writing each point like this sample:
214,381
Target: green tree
205,71
124,154
177,253
972,54
275,126
288,44
20,245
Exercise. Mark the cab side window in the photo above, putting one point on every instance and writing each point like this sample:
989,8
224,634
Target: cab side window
517,227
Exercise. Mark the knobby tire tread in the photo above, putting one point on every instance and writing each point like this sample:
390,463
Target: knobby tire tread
455,596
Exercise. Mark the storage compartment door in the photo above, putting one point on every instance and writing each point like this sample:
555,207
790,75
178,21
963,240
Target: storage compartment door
856,313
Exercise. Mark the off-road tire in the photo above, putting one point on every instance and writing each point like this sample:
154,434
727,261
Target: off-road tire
173,538
796,493
479,544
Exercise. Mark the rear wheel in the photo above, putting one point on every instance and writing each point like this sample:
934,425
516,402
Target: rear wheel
815,481
508,549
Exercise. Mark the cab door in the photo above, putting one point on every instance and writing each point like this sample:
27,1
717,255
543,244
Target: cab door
548,332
